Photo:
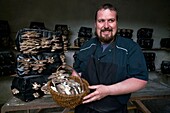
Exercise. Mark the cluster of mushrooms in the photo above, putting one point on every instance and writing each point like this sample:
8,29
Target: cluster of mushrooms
62,83
25,65
33,42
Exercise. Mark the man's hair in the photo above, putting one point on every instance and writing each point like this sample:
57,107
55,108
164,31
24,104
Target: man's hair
107,6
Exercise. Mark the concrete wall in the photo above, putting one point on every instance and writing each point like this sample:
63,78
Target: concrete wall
133,14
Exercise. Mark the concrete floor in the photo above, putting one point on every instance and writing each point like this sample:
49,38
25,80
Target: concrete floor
156,106
5,84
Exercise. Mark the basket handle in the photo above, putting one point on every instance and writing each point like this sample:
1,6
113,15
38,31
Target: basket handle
65,65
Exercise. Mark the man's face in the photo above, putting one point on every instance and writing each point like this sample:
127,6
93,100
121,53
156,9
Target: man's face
106,25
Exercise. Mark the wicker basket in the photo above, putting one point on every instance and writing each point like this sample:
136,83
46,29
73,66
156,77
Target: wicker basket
70,101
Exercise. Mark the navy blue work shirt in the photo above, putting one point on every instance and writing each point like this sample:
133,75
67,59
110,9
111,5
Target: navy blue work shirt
123,52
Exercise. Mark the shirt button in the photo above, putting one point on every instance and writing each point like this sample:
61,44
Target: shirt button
110,50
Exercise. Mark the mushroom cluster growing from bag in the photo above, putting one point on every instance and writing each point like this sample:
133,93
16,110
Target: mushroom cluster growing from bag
33,41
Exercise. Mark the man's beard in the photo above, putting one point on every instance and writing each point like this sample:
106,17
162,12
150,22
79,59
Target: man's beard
106,39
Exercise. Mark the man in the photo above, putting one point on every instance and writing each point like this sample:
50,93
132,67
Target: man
114,66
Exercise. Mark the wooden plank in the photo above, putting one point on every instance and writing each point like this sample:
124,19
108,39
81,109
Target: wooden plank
131,106
153,90
141,106
16,104
66,110
150,97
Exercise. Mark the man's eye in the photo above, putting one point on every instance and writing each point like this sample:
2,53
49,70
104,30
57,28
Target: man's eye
111,20
100,21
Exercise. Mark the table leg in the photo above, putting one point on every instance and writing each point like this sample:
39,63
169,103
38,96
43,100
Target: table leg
28,111
66,110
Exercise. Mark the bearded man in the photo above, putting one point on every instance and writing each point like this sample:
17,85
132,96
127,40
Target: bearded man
113,65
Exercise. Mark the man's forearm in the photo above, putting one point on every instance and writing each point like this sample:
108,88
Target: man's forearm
127,86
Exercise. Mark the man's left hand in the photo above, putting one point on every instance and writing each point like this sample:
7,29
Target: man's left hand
100,92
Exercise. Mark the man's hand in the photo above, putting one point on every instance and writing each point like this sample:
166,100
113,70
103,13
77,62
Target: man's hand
100,91
74,73
127,86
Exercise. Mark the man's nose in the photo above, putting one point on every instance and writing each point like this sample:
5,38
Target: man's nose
106,25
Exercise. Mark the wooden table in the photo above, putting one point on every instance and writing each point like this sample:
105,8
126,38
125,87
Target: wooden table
16,104
154,90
